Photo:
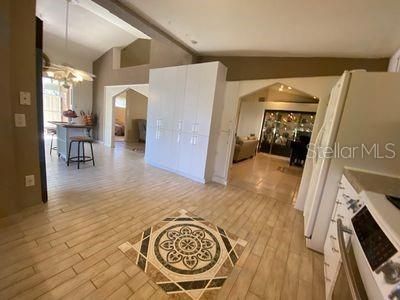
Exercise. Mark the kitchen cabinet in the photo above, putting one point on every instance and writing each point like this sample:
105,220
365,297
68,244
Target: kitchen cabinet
184,109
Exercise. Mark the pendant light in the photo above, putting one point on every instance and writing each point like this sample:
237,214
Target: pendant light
65,73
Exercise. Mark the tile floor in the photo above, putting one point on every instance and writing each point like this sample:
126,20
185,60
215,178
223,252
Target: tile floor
69,248
186,255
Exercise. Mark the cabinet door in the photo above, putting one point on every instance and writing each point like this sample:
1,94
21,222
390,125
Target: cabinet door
207,76
152,148
170,149
199,160
191,97
179,96
185,158
167,102
173,153
155,97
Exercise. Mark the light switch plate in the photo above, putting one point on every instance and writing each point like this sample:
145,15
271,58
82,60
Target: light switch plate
24,98
20,120
29,180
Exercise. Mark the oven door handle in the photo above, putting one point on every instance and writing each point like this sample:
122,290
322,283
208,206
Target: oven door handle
341,229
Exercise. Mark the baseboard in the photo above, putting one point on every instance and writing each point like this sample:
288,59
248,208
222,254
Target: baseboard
219,180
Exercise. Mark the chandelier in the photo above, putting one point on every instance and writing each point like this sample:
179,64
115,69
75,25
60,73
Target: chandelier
65,73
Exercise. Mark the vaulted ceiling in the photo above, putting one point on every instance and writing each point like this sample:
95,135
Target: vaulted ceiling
92,29
339,28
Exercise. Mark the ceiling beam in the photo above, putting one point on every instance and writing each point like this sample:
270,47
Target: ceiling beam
134,19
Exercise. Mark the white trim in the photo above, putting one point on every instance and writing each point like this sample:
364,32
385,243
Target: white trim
110,92
219,180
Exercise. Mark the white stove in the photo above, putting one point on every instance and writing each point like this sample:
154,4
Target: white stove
363,246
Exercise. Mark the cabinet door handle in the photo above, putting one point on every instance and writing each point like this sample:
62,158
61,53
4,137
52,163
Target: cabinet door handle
195,127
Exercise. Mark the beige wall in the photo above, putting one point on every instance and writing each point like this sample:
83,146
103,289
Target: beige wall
108,73
136,108
250,68
19,146
136,53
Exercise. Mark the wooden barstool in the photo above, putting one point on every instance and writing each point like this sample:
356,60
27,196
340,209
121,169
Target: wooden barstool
80,158
53,132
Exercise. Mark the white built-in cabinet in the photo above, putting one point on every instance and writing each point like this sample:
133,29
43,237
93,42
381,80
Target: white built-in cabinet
184,111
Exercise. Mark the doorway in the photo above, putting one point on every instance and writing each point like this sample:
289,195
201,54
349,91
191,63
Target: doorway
270,121
120,118
126,117
283,131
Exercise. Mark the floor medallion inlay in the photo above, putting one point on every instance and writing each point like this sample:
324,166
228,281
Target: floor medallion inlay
185,254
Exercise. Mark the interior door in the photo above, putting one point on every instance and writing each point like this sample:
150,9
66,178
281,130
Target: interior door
39,108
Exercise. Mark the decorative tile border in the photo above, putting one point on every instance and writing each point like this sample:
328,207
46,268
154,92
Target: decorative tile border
185,255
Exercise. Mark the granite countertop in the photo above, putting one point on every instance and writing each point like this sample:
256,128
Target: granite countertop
68,125
380,184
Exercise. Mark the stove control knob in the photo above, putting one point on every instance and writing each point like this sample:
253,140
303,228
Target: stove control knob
391,271
353,205
395,293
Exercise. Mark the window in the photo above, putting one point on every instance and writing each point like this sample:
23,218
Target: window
56,99
120,102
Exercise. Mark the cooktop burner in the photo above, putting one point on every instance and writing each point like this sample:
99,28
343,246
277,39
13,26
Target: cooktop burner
395,200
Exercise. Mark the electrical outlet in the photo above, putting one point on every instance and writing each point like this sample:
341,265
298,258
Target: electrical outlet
29,180
20,120
24,98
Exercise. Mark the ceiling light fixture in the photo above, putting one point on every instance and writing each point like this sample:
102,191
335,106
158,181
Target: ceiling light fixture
65,73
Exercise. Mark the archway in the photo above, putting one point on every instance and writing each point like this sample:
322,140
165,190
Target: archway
111,92
318,87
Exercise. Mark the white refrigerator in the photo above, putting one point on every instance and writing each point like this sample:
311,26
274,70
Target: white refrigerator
363,113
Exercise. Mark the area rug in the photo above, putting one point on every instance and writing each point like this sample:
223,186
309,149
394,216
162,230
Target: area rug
185,255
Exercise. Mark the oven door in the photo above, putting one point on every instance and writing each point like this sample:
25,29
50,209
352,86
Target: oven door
348,284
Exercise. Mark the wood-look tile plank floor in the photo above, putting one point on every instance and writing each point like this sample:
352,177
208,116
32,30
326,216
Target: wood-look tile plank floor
68,248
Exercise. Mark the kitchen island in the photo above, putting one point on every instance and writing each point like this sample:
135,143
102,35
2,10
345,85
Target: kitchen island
64,132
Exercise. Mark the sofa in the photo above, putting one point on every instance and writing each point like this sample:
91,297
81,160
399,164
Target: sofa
246,147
